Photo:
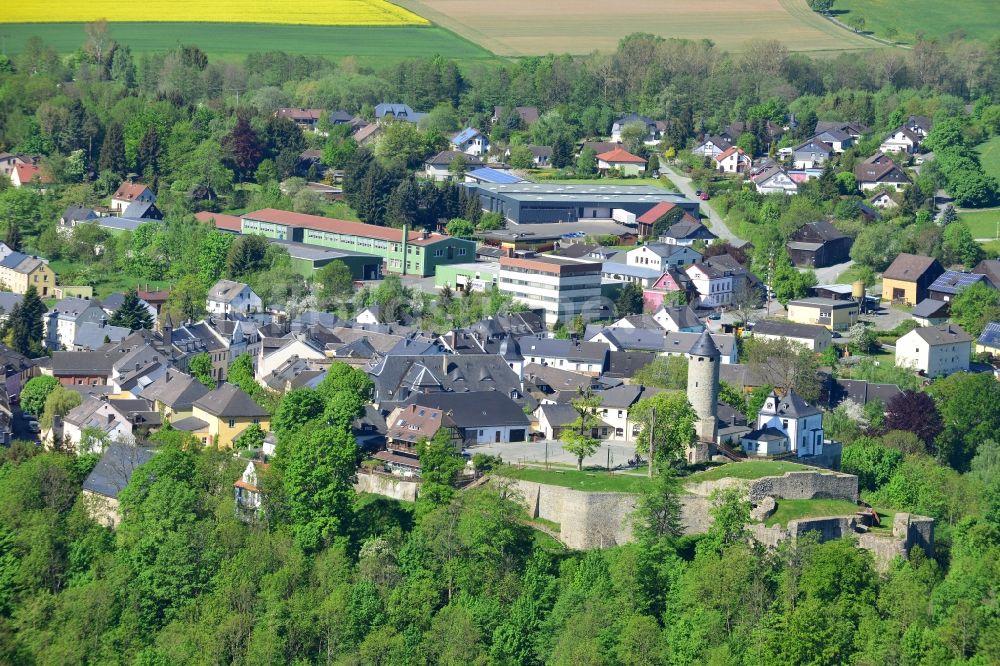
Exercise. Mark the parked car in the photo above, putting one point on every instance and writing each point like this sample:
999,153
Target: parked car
705,196
715,316
33,427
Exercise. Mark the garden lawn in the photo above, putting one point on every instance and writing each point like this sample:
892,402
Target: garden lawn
981,223
104,283
810,508
752,469
587,480
989,156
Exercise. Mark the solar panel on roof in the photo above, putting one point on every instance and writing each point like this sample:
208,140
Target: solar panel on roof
991,335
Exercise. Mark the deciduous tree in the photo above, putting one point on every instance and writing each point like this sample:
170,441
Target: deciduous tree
577,437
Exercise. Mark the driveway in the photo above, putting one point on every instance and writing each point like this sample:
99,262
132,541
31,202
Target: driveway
829,274
526,452
716,222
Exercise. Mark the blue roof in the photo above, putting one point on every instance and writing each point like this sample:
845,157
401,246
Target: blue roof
952,282
464,136
13,260
991,335
487,175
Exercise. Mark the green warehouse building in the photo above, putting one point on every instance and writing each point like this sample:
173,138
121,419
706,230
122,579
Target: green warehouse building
402,251
307,259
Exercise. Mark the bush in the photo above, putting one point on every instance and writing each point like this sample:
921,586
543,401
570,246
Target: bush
872,462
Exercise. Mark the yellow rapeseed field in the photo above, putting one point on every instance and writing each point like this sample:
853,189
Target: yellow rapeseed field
310,12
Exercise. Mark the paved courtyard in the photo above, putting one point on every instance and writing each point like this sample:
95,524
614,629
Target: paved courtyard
524,452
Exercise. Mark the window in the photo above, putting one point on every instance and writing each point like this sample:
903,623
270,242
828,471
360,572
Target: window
461,252
232,423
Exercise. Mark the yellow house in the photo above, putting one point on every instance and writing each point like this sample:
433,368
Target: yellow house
174,393
227,411
19,271
831,313
908,278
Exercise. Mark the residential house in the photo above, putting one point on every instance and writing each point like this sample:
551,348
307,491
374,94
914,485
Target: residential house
668,288
661,256
306,119
900,140
129,193
678,318
880,172
247,489
774,180
836,315
17,369
686,231
406,428
627,339
621,160
8,301
113,302
662,211
909,277
481,418
991,269
989,340
713,283
616,409
301,346
883,201
919,125
66,317
837,139
935,351
930,312
228,411
528,115
861,392
91,336
9,161
811,154
819,244
227,297
73,368
471,142
554,418
852,128
811,336
398,112
113,420
733,160
368,135
442,166
654,128
681,344
19,271
73,216
173,393
137,364
398,378
712,146
950,284
30,175
109,477
585,357
613,271
785,425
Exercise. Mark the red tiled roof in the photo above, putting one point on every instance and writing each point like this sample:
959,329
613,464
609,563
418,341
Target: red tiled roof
129,191
331,225
221,221
240,483
299,114
620,155
26,172
729,151
656,212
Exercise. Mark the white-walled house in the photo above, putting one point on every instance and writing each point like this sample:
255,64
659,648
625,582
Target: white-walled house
622,160
471,142
785,425
661,256
733,160
935,351
714,286
229,297
900,140
300,346
129,193
774,180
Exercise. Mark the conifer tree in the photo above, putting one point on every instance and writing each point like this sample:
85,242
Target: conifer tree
132,313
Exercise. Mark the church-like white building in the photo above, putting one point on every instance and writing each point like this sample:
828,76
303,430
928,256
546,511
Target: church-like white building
785,425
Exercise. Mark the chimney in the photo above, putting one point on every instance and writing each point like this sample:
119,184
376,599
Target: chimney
102,322
444,365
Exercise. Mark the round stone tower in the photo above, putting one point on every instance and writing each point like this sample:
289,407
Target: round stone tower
703,394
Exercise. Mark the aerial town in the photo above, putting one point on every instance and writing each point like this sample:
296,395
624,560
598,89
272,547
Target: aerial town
666,354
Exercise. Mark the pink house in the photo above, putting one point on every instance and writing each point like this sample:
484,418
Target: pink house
667,284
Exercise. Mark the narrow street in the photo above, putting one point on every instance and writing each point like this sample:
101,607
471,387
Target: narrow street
829,274
717,225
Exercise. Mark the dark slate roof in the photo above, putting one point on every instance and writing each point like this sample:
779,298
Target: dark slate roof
229,401
176,390
189,424
97,363
789,329
682,316
930,307
91,335
705,346
942,335
991,269
642,339
794,406
624,396
861,392
768,433
624,364
78,213
558,414
472,410
8,300
114,470
397,378
591,352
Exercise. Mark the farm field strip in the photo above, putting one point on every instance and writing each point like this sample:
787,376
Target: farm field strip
527,27
975,19
316,12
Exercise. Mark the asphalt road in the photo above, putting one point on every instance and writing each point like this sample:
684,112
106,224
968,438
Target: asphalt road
717,225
